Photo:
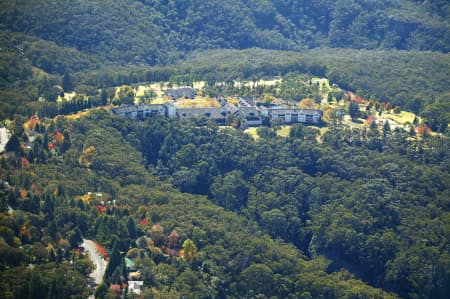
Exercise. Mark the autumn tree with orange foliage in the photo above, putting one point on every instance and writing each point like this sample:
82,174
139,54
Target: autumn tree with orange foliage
31,123
157,234
58,138
423,131
85,158
370,120
174,239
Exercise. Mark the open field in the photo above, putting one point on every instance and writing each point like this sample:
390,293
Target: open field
401,118
160,100
198,102
252,132
284,131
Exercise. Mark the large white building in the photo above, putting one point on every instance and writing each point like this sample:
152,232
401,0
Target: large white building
251,115
144,111
295,115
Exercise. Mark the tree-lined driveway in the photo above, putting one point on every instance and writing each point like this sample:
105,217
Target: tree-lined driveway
97,259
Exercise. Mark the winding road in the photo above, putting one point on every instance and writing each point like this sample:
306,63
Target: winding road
97,259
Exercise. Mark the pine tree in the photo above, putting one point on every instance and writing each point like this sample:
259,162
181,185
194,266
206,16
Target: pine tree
104,97
13,144
66,143
113,263
67,82
353,110
36,288
131,226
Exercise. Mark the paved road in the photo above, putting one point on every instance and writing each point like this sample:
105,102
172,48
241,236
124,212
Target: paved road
97,259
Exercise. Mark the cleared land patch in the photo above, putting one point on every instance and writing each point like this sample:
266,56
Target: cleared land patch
198,102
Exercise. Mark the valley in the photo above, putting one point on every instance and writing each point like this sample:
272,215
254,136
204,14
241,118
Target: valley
224,149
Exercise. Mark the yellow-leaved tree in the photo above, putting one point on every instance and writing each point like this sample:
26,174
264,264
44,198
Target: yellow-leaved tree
189,251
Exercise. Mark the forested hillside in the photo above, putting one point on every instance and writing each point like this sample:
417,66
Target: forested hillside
111,43
156,32
356,206
334,217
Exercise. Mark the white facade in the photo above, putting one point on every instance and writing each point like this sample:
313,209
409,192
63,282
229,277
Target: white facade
288,116
252,115
135,286
171,111
4,138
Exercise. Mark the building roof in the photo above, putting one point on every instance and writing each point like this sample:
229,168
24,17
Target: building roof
129,263
252,111
215,113
186,92
294,111
247,101
133,108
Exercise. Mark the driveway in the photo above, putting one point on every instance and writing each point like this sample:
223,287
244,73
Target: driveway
97,259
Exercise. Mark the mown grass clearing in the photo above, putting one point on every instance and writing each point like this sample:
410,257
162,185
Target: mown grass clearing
253,132
284,131
402,118
233,101
322,132
160,100
199,102
83,113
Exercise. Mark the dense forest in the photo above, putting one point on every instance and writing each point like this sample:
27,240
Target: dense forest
283,217
155,32
416,81
202,211
110,43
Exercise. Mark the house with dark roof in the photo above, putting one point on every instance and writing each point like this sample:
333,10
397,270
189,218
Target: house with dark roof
184,92
247,101
251,115
217,114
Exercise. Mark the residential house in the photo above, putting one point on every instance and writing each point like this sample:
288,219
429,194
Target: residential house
135,286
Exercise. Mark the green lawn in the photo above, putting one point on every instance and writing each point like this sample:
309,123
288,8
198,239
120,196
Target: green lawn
401,118
284,131
252,132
